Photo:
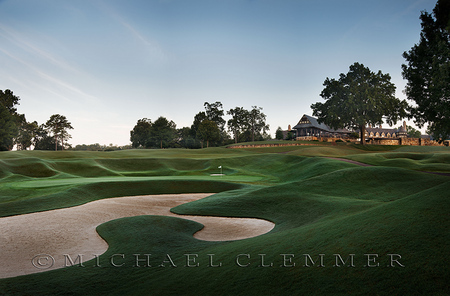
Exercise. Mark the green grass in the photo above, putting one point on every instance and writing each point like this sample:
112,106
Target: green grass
134,153
344,223
425,149
319,205
432,162
32,184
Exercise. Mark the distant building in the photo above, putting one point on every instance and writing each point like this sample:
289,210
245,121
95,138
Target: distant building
308,126
288,133
380,132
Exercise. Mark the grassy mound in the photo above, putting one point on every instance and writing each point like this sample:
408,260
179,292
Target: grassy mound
29,200
33,184
361,187
432,162
31,167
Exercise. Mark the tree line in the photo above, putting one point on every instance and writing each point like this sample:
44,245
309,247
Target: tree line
16,130
209,128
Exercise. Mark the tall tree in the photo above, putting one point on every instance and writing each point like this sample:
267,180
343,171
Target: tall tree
198,118
359,98
8,119
208,131
257,121
428,72
140,134
9,100
26,134
162,132
58,125
8,129
214,112
42,140
238,122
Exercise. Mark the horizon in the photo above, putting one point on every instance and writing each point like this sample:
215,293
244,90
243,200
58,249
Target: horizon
106,64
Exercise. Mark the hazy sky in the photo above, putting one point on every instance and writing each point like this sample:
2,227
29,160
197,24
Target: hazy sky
106,64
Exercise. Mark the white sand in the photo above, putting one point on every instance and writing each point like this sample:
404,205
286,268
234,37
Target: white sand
72,230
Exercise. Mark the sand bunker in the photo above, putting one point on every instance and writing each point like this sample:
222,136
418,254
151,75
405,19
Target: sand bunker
72,230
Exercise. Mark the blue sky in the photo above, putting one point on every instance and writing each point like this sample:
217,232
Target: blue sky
104,64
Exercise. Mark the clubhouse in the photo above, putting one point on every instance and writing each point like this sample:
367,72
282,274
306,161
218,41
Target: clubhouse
308,128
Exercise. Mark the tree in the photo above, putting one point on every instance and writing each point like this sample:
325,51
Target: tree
257,121
213,112
9,101
359,98
42,140
162,132
58,126
247,125
140,134
238,122
208,131
198,118
26,134
186,139
412,132
8,129
8,119
279,134
428,72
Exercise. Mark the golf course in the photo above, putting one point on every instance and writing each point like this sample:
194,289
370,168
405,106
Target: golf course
323,219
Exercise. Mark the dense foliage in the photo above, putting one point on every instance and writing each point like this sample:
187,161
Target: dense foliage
248,125
428,72
16,130
207,129
359,98
9,119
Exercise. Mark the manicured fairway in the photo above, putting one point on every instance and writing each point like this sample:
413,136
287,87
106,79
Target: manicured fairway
341,229
35,184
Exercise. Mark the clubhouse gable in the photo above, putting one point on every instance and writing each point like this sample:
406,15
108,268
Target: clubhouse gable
308,126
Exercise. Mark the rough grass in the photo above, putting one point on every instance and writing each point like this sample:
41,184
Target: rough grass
319,205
